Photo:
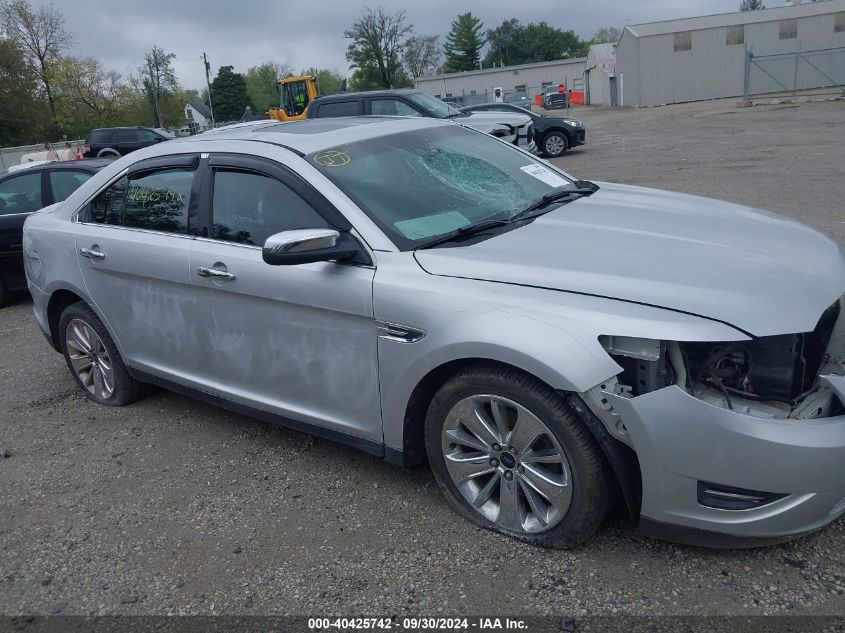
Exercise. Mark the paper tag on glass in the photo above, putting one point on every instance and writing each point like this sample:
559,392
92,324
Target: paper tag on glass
546,175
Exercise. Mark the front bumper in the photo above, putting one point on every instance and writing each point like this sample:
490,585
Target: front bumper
680,441
579,137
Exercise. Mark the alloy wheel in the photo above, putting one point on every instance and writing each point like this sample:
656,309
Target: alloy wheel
554,145
89,358
507,464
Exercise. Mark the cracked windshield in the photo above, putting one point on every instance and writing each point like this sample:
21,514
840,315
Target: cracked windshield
421,184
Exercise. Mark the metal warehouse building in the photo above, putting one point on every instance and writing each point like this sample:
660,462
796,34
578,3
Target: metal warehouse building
476,86
600,86
793,48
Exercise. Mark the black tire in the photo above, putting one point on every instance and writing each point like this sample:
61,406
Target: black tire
108,153
561,147
594,487
126,389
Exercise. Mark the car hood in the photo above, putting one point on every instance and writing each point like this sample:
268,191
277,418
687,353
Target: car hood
755,270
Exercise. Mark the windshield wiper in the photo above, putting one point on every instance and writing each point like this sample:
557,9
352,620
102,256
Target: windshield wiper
561,193
464,231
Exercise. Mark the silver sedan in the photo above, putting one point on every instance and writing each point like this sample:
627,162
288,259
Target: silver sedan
424,291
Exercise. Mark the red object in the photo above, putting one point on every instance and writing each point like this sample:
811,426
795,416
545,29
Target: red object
560,89
576,97
86,148
538,99
78,153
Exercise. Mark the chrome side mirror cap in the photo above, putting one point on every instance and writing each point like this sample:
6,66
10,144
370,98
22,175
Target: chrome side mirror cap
303,246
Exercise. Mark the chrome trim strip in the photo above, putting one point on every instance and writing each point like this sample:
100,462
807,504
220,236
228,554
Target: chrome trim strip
398,332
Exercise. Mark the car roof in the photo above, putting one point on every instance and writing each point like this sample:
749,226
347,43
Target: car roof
313,135
124,127
93,164
339,96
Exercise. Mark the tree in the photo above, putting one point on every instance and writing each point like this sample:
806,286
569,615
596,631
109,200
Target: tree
513,43
328,81
22,115
230,95
262,84
611,35
751,5
421,55
40,34
87,95
463,44
377,39
158,78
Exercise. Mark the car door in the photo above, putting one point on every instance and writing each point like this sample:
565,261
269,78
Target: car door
388,106
20,195
133,243
126,141
297,341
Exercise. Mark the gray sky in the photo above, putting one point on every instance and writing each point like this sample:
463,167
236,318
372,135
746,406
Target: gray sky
308,33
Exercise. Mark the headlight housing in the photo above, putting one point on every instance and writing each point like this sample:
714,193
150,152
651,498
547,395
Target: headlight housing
573,122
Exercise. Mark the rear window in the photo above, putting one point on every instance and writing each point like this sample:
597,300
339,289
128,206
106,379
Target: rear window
338,108
99,136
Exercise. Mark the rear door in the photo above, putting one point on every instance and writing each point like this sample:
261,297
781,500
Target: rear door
20,195
133,245
297,341
126,141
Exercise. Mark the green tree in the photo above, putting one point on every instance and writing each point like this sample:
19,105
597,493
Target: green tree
421,55
328,81
23,117
611,35
751,5
463,44
376,42
230,95
158,78
87,95
40,34
262,84
514,43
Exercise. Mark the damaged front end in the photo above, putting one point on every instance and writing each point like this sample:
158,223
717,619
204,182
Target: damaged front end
743,438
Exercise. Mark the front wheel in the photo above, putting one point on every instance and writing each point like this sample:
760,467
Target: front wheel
555,144
94,360
512,456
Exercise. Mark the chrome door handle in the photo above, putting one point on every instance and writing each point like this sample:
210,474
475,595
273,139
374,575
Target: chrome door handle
91,254
214,273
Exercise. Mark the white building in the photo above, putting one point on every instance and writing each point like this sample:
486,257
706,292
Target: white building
197,116
600,76
794,48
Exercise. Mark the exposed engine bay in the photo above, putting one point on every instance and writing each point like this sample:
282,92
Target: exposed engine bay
777,377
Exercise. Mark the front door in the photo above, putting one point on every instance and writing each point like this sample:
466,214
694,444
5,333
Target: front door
297,341
133,246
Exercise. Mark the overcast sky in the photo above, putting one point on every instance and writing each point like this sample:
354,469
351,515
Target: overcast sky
305,33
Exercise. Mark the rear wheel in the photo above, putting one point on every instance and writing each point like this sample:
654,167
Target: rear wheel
511,456
555,144
108,153
94,360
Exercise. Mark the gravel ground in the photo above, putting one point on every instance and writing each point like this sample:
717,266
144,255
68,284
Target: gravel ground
170,506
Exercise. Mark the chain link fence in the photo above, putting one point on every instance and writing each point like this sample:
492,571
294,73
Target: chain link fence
789,74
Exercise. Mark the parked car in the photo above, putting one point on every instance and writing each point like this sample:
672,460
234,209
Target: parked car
553,135
422,291
519,99
24,189
513,128
554,99
118,141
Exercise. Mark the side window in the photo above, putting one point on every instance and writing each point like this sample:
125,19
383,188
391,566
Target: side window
21,194
147,136
338,108
392,107
126,136
248,208
158,201
65,182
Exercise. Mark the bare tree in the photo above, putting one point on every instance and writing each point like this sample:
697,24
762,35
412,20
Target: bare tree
41,35
377,41
158,78
86,91
421,55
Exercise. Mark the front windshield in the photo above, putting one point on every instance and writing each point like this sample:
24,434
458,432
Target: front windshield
425,183
434,106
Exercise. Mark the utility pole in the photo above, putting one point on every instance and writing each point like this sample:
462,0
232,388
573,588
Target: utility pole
208,83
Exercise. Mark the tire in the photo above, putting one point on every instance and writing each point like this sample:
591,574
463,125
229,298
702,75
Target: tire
555,144
108,153
583,475
80,328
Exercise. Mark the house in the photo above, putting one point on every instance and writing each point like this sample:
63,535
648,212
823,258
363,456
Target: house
198,117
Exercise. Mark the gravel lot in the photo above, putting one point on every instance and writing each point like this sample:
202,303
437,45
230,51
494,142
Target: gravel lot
171,506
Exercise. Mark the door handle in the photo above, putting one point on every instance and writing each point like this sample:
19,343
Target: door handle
91,253
214,273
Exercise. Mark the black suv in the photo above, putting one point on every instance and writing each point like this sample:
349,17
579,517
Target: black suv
553,135
118,141
26,189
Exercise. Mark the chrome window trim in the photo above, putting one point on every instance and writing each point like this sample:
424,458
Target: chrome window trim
136,229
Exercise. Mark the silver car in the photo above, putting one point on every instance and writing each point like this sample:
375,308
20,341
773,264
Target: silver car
423,291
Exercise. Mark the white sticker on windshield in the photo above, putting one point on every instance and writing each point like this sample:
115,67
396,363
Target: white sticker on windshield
546,175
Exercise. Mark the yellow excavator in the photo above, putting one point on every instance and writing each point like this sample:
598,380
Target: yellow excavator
296,94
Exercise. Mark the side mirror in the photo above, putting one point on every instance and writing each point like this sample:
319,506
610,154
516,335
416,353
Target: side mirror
304,246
